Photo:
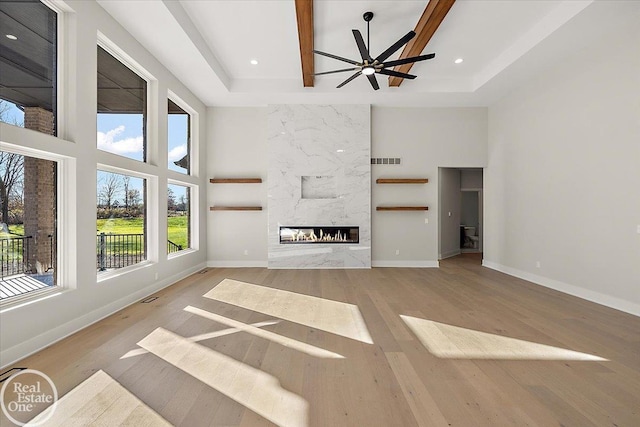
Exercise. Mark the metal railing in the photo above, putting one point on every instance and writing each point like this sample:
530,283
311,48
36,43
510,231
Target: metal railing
120,250
123,250
14,256
173,247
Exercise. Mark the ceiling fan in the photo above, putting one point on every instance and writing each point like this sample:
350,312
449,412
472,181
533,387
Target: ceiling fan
370,66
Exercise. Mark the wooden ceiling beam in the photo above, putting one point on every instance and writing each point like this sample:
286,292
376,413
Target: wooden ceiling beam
304,16
429,22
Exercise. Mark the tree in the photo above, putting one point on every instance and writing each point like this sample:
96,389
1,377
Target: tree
109,189
11,177
5,113
134,198
125,183
182,206
11,169
171,200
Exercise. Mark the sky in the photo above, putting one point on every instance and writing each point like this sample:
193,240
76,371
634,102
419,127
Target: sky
13,114
122,134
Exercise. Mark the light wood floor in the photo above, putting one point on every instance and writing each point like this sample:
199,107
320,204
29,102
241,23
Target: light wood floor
456,346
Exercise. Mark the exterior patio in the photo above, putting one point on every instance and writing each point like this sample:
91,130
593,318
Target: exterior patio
21,284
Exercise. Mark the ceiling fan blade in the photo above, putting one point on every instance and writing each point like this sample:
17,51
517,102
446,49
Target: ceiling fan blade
336,71
339,58
397,74
408,60
373,81
348,80
361,46
394,47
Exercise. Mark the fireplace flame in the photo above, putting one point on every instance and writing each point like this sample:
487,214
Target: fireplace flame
301,236
308,235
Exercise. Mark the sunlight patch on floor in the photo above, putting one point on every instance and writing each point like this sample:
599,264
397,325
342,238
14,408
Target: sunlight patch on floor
268,335
100,400
327,315
205,336
454,342
251,387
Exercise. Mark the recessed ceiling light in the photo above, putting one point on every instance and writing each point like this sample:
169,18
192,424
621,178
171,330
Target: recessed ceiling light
339,151
458,61
11,37
254,62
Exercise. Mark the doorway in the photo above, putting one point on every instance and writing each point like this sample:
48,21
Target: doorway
460,202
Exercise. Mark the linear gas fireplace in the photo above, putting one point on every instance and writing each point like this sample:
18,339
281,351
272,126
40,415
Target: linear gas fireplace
319,234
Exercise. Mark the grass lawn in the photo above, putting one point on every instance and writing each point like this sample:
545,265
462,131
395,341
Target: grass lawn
15,230
177,228
177,231
12,250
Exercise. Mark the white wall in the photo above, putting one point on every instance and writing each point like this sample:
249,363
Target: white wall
563,181
25,329
469,214
425,139
237,140
471,179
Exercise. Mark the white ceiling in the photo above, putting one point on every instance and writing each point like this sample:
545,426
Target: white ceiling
208,46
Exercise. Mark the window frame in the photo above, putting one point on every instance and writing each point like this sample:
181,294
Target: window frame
65,170
151,236
149,152
61,10
114,163
193,135
189,135
193,188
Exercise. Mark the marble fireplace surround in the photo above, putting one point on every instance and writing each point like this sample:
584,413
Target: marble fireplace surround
319,173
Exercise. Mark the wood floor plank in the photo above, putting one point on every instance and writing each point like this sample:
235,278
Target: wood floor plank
274,341
423,407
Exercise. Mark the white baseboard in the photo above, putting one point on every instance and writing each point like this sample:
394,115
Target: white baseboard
237,264
587,294
320,268
406,264
450,254
35,344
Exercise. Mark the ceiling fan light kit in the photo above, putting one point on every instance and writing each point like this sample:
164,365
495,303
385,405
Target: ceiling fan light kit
369,66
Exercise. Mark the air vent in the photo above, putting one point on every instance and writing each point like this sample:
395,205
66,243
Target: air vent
203,271
148,300
385,160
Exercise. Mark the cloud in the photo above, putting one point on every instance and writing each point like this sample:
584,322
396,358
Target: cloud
109,142
178,152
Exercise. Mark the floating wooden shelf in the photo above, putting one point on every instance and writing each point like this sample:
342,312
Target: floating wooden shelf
235,180
402,208
235,208
402,181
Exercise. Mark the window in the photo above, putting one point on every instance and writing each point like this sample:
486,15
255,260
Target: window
122,108
178,218
28,213
179,137
28,56
121,239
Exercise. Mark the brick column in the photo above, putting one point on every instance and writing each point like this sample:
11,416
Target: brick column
39,196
